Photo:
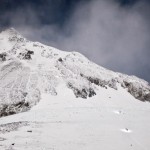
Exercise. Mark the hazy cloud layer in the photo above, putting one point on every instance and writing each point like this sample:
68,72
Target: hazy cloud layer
113,36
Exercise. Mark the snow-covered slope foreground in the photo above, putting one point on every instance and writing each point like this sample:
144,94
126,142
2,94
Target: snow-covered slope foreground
80,105
111,120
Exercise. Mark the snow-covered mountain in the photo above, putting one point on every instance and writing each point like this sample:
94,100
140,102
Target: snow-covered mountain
28,69
68,102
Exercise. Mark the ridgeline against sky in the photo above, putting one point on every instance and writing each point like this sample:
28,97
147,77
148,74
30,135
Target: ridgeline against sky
112,33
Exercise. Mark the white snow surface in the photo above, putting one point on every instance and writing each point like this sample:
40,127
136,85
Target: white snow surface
73,103
64,122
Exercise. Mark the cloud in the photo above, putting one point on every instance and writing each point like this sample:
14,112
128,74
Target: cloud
109,34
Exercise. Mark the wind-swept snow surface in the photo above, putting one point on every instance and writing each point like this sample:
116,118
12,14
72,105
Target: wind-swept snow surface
63,122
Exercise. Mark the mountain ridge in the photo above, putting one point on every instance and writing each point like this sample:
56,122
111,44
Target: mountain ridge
28,69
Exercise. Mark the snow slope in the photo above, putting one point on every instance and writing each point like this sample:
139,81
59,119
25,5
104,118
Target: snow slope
111,120
67,101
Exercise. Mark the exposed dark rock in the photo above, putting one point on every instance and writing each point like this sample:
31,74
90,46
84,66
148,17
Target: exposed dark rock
103,83
135,89
91,92
139,92
113,84
6,110
83,92
147,97
96,81
3,56
26,55
80,93
30,52
60,60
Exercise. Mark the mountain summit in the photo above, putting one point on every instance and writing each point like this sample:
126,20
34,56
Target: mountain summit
28,69
67,101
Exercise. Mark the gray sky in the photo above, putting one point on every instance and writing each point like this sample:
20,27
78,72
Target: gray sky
112,34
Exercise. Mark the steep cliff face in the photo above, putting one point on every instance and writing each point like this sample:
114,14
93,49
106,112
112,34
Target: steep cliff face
28,69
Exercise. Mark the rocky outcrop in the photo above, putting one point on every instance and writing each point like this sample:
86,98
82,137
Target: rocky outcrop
83,92
27,55
101,82
137,90
10,109
3,56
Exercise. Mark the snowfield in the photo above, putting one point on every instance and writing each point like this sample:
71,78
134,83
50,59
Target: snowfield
112,120
56,100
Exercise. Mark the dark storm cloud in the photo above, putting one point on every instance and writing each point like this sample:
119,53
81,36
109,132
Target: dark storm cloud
47,11
112,33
